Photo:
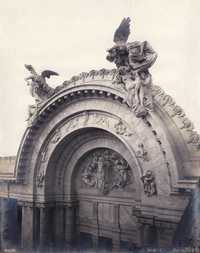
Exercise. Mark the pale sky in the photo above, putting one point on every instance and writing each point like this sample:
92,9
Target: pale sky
71,36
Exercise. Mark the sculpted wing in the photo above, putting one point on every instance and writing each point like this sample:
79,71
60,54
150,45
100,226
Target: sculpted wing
122,32
31,69
48,73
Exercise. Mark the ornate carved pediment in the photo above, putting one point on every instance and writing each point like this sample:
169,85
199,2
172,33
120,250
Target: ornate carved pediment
105,170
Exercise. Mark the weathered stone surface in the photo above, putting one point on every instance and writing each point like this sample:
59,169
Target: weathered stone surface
103,158
8,223
7,166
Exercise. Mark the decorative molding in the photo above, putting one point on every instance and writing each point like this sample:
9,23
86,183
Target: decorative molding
57,135
44,155
159,96
40,179
176,111
165,101
84,119
90,118
101,120
86,76
121,128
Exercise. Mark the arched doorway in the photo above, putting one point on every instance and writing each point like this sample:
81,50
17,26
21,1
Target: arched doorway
104,183
93,179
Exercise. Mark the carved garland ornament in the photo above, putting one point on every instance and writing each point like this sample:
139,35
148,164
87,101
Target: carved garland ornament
176,111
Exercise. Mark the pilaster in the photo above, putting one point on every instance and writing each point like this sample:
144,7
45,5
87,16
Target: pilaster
27,226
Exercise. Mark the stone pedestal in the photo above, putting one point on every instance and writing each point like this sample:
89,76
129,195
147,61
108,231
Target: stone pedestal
27,228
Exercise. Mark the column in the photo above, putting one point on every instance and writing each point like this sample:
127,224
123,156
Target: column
46,226
59,226
70,224
116,239
95,223
95,242
27,227
139,235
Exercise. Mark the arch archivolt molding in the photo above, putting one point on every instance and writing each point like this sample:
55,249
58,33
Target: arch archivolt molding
147,157
105,96
87,119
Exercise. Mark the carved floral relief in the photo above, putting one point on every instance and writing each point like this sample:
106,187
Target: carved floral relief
121,128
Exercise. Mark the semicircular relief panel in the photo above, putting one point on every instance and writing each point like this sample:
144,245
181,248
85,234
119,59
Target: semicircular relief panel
104,171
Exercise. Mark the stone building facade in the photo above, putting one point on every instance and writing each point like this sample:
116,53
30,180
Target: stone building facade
88,165
99,163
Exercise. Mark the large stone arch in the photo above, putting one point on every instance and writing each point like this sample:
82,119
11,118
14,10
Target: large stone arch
87,139
89,113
